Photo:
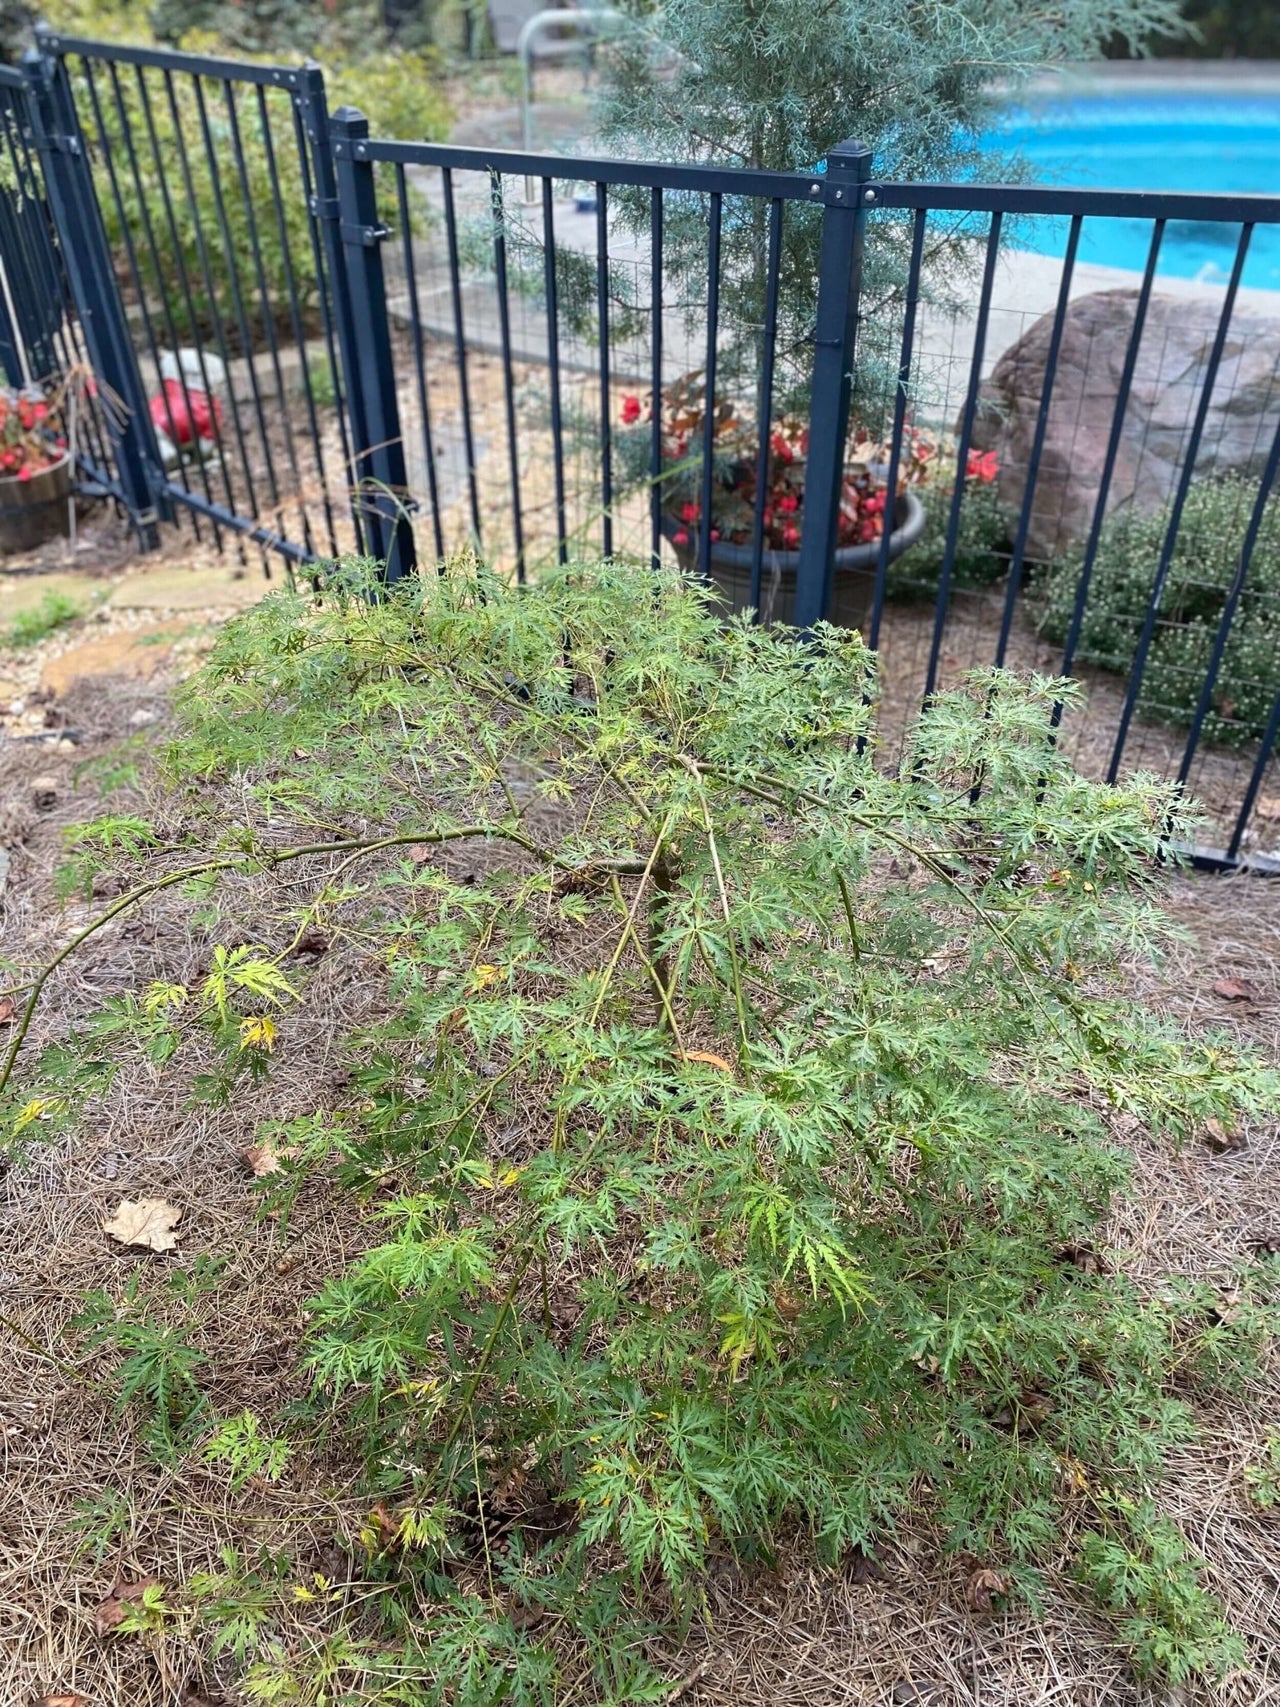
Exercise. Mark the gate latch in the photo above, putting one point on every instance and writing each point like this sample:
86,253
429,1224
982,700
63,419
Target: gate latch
365,236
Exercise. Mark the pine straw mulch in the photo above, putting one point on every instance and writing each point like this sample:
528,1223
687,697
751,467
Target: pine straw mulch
890,1631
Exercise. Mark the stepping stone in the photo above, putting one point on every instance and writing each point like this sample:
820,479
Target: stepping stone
211,587
137,653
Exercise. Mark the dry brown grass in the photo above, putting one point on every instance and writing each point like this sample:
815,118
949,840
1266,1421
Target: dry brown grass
780,1639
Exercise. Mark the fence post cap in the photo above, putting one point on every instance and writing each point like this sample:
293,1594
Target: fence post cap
350,121
851,159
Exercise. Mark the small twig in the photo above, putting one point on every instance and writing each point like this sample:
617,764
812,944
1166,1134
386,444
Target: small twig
66,1369
629,930
690,1678
738,999
847,899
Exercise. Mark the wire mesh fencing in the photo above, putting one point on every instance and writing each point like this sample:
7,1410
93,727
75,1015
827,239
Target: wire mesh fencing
988,425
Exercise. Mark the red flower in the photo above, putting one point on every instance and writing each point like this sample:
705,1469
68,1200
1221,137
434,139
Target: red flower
788,503
781,449
983,467
170,414
630,410
24,473
679,537
790,537
688,512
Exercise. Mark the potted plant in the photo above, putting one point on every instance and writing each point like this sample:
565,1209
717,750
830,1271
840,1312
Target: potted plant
736,509
35,467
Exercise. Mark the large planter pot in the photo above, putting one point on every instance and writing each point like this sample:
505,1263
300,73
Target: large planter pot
32,511
853,585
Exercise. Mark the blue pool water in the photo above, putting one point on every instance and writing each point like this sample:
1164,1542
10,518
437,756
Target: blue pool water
1166,139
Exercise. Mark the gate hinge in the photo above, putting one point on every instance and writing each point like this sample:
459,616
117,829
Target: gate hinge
323,207
364,236
64,145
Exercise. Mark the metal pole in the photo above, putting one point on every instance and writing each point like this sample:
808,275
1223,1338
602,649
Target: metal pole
588,20
367,359
839,283
82,241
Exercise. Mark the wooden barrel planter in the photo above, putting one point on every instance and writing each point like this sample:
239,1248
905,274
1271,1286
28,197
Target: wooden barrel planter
34,510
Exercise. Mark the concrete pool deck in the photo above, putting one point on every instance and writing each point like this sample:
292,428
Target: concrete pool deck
1027,284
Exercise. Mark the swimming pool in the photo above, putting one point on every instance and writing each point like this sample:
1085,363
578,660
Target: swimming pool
1172,138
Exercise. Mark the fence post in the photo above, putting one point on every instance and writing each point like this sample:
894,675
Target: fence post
835,336
364,339
86,256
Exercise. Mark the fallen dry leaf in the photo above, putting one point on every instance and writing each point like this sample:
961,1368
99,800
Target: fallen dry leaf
863,1567
194,1696
312,941
982,1587
1085,1258
787,1304
146,1221
708,1059
263,1159
1235,990
110,1614
1222,1138
528,1617
8,1008
62,1701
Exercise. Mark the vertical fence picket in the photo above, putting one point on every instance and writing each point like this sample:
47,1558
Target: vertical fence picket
167,159
83,245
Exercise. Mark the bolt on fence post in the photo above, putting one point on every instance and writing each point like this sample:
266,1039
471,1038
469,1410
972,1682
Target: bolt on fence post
364,337
86,256
835,336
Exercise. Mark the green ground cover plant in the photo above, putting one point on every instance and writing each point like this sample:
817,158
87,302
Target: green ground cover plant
54,611
1205,560
732,1132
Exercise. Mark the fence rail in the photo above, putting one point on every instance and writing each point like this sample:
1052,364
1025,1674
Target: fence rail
328,341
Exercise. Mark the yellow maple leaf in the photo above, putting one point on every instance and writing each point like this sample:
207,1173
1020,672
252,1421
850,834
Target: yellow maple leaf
258,1032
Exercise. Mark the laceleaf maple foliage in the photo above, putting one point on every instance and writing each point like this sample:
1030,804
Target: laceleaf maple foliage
735,1123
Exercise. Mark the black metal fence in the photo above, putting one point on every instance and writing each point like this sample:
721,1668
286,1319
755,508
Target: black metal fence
1028,426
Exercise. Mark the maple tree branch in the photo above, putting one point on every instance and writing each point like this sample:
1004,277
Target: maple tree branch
269,858
67,1369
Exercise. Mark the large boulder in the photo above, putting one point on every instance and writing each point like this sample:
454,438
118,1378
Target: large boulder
1173,358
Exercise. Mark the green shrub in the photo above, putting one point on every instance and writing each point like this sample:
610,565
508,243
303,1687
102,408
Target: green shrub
187,215
1205,559
198,248
728,1116
982,543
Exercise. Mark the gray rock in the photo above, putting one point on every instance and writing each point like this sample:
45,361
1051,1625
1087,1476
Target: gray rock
1168,381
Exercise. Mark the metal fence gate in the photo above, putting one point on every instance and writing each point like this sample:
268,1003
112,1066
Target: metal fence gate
325,341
